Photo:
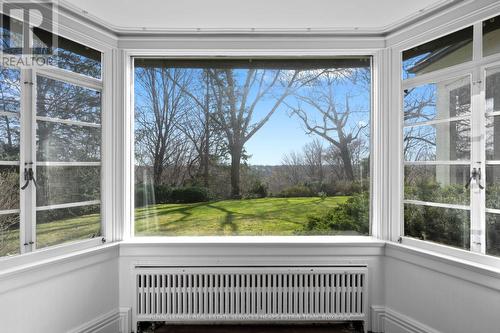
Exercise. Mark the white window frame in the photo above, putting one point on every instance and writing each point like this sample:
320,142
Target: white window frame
127,60
104,85
476,69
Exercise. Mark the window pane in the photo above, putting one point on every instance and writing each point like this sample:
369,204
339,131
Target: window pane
436,101
68,224
493,234
9,234
493,138
68,143
493,186
10,90
61,100
441,225
203,132
59,185
69,55
449,50
9,138
448,141
437,183
12,35
491,36
493,90
9,185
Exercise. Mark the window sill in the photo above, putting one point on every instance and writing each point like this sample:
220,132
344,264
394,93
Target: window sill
237,251
458,254
271,240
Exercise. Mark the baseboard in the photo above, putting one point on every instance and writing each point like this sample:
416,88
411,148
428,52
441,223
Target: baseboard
384,318
107,323
125,320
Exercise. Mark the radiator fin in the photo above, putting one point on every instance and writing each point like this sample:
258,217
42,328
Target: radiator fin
191,295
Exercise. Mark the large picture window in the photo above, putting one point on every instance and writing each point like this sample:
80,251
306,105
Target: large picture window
451,140
252,147
50,147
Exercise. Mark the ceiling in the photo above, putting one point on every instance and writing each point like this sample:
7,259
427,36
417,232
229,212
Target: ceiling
258,15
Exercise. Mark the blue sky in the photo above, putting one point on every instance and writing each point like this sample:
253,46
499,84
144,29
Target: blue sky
284,133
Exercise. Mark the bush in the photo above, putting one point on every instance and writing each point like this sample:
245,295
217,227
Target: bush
147,194
190,194
258,190
351,216
297,191
347,188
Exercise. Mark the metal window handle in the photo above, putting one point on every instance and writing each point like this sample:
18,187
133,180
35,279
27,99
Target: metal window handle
476,176
29,175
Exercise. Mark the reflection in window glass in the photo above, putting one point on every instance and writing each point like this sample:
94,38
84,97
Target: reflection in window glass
448,141
68,143
59,185
10,90
69,55
493,90
437,101
9,185
449,50
9,138
491,36
492,136
63,100
441,225
493,234
260,147
437,183
493,186
68,130
59,226
9,234
11,34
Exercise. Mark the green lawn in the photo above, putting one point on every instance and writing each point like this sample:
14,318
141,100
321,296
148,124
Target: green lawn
54,233
268,216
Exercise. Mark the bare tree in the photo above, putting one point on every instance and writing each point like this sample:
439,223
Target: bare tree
9,183
159,141
314,160
334,123
293,167
238,99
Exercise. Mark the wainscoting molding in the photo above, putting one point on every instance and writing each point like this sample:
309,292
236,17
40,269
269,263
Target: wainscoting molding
383,317
107,323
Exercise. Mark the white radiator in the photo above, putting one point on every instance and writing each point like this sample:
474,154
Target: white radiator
250,294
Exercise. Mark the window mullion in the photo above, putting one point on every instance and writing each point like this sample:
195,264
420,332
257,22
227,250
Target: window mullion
27,200
478,240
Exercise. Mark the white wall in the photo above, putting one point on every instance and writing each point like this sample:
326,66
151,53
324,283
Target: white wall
256,253
62,295
433,293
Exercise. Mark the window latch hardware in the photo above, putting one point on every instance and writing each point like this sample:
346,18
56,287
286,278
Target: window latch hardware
29,175
476,176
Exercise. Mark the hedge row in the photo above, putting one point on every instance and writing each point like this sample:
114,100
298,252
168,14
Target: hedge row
162,194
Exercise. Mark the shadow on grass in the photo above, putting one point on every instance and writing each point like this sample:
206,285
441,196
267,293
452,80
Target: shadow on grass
227,220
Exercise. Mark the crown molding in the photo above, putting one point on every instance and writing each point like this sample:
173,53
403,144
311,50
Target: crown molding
130,32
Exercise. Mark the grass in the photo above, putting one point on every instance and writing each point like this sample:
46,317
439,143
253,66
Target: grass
268,216
53,233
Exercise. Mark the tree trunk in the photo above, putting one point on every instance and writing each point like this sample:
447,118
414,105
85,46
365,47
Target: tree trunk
157,172
345,155
235,172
